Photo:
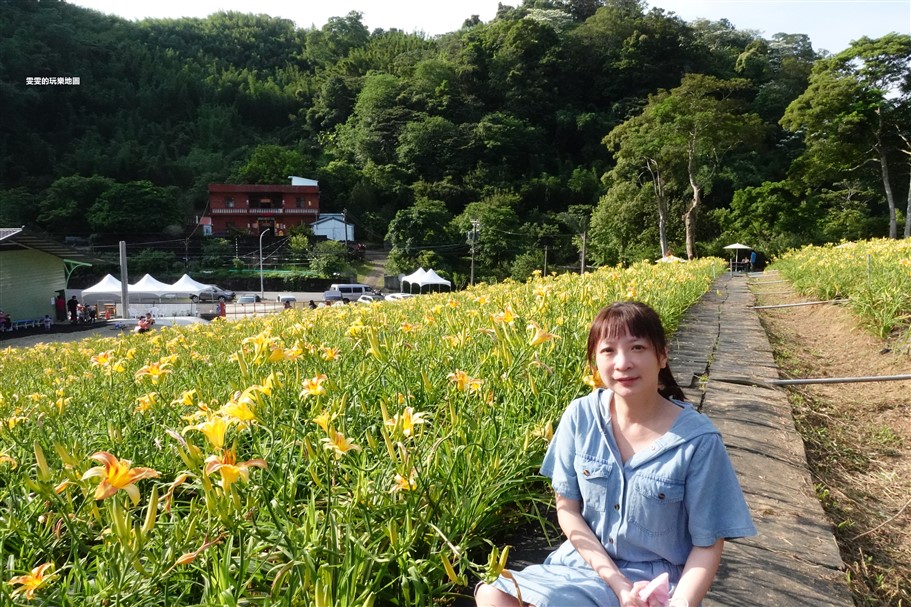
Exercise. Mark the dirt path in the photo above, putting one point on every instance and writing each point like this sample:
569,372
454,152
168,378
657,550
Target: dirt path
376,262
857,435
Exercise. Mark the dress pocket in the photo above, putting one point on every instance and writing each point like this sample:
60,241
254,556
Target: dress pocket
656,504
594,481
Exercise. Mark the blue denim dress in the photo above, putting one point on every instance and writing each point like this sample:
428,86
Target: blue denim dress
648,513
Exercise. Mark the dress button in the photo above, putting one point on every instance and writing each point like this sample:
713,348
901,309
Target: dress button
586,472
610,540
660,496
616,506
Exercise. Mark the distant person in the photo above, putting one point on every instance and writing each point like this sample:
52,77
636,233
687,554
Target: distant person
753,258
145,323
93,312
60,307
287,305
48,322
73,306
311,305
6,323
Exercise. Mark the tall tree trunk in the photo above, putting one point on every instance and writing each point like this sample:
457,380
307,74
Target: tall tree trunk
908,211
661,198
887,185
689,218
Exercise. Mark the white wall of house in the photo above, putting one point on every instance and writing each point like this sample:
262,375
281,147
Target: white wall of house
28,279
334,229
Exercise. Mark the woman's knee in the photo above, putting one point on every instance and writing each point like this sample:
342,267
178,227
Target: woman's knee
488,596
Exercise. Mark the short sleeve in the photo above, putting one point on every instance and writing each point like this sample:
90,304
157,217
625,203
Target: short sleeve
714,501
558,461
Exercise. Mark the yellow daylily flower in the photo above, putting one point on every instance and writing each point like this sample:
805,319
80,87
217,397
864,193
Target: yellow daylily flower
146,401
230,469
337,442
314,386
324,421
30,583
117,474
506,316
409,420
154,371
400,483
102,359
593,380
214,430
540,336
238,410
327,353
187,397
464,382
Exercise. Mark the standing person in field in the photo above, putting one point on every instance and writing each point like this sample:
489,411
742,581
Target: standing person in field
73,306
644,485
60,306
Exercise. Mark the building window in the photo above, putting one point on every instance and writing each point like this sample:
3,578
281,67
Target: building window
229,202
300,202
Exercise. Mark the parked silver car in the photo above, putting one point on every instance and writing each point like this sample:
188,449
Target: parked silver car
214,293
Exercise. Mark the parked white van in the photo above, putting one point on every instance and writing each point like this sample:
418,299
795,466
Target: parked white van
349,291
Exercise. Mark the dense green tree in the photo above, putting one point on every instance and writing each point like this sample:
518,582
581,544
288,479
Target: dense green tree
853,111
134,208
66,203
329,258
499,237
687,132
271,164
424,226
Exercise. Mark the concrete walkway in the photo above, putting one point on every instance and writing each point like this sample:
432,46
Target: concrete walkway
794,560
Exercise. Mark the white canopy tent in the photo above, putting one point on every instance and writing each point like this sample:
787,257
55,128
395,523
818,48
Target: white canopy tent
186,285
106,286
150,286
423,278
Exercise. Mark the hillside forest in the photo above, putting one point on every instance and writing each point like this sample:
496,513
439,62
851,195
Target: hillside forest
559,133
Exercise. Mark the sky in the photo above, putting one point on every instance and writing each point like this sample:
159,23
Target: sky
830,24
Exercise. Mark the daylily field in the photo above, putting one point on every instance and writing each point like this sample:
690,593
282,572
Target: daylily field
873,275
354,455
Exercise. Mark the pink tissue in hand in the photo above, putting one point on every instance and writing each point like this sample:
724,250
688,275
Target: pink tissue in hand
658,589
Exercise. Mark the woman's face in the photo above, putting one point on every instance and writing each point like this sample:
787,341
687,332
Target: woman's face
629,365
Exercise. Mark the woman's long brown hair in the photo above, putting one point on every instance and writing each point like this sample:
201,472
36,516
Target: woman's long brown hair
641,321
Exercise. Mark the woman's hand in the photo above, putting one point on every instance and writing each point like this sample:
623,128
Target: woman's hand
630,597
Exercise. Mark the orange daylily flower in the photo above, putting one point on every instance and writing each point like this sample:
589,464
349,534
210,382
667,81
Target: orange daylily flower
31,582
189,557
117,474
230,469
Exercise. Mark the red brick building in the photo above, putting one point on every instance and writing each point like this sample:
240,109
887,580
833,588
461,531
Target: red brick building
253,208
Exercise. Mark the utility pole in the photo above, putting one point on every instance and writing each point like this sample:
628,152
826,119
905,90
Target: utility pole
473,239
545,261
261,291
124,284
582,262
